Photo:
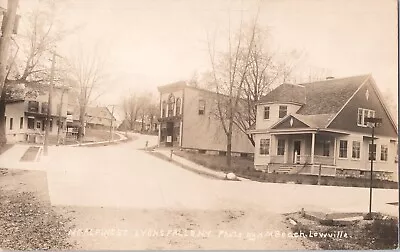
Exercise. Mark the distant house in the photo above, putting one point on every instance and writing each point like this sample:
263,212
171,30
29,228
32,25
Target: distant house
188,121
95,118
300,128
26,116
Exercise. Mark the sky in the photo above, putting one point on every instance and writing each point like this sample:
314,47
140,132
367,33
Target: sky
154,42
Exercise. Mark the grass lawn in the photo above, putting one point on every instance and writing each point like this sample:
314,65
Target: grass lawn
98,135
5,147
244,167
216,162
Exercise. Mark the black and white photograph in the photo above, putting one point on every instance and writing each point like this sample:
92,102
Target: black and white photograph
199,125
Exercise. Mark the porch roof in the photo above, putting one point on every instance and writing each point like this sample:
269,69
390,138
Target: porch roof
298,131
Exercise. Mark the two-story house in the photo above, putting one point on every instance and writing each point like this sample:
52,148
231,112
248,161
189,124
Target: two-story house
320,128
26,116
188,121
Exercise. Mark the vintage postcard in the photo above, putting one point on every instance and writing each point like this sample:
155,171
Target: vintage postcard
199,124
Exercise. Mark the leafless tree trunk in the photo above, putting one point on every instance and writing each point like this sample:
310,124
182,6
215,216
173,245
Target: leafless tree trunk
7,27
87,72
229,74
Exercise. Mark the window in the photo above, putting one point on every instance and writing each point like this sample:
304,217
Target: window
45,107
325,148
38,124
11,123
266,112
264,146
282,111
362,114
202,107
178,106
33,106
31,123
372,152
384,153
356,150
281,147
171,105
21,123
164,108
343,149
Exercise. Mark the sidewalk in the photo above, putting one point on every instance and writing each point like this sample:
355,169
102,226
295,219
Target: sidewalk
10,159
191,165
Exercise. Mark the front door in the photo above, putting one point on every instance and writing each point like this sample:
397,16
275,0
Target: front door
296,151
170,132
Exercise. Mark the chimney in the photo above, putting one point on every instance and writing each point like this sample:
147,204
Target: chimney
330,78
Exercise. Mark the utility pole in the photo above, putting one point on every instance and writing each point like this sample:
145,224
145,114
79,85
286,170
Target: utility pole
60,124
7,28
111,123
46,136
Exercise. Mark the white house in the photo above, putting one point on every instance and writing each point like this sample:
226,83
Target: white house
302,128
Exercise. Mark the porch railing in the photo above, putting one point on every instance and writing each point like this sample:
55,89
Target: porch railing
277,159
323,160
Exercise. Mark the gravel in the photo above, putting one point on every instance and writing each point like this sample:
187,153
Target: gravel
28,224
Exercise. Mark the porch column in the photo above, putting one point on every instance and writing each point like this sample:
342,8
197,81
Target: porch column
334,151
312,147
159,134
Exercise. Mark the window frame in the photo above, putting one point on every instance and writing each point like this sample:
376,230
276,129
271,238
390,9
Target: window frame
281,110
280,151
265,145
11,123
364,113
202,107
346,147
163,109
386,147
171,105
356,151
178,105
267,109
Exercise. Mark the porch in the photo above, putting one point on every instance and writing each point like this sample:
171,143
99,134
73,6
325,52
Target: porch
304,152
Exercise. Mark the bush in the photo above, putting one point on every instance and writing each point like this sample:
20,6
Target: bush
382,234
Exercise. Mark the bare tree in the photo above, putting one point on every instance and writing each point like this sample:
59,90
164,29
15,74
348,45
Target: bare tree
139,105
87,72
29,66
266,69
229,76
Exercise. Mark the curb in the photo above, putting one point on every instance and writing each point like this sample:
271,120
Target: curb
122,138
204,173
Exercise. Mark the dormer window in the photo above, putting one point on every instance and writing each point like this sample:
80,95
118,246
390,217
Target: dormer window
266,112
282,111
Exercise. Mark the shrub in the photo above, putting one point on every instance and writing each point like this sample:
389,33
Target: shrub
382,234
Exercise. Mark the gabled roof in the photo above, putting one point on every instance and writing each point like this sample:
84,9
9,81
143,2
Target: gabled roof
286,93
322,100
329,96
315,121
102,112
